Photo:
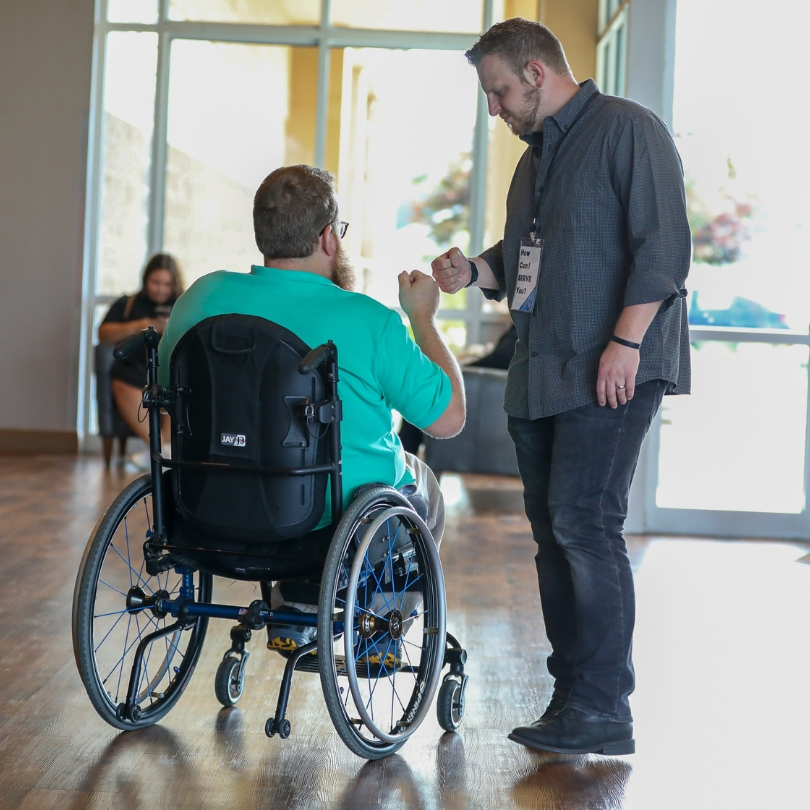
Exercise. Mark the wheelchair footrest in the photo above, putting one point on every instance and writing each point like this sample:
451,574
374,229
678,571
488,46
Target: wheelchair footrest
310,663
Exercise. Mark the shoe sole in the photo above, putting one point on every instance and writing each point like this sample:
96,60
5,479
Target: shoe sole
608,749
284,646
390,662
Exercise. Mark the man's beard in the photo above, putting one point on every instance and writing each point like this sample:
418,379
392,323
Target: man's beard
526,119
342,270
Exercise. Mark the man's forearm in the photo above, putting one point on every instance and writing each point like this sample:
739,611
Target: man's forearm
486,278
635,320
429,340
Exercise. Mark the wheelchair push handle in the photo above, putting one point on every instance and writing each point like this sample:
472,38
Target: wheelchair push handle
318,356
148,338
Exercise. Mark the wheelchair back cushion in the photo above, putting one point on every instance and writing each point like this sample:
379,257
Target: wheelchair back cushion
240,401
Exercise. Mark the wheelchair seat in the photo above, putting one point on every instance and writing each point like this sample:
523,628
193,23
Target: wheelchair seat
255,444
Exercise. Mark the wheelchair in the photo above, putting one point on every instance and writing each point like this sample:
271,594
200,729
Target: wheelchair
255,418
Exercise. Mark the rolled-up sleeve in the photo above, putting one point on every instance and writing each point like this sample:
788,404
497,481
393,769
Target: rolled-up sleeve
649,178
494,258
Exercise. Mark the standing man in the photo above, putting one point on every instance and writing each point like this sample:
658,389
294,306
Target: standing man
599,306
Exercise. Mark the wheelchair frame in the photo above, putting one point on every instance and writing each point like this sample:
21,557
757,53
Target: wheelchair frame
348,570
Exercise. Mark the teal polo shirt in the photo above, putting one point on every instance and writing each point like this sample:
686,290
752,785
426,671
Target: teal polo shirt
381,368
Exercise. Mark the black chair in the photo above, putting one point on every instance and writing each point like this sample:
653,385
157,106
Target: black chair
255,447
484,446
111,424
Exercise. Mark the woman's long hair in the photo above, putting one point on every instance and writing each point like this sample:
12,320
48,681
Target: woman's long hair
164,261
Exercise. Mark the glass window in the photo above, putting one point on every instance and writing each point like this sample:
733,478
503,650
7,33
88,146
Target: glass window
132,11
401,155
607,9
722,449
129,100
612,57
415,15
747,196
236,113
404,188
268,12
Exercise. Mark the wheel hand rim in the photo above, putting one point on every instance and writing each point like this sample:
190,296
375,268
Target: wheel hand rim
429,688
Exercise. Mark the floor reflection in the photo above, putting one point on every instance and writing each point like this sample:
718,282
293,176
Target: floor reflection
574,783
385,783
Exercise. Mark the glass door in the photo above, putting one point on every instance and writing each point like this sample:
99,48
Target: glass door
732,458
235,112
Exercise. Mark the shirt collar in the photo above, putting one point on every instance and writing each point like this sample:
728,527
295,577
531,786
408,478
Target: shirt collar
288,275
566,117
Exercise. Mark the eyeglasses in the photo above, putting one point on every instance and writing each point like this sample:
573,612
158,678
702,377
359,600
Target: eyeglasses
340,229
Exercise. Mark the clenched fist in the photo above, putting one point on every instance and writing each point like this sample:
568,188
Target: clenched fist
451,270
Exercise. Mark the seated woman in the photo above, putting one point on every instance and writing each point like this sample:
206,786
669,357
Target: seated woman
161,286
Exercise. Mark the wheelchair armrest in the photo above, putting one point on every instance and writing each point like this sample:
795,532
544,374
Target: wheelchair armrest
137,342
318,356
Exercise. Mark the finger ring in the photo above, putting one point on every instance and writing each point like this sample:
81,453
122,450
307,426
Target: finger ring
620,387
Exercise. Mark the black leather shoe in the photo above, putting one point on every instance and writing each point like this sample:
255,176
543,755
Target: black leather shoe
571,731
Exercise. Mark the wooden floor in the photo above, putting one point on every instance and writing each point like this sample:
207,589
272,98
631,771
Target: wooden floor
722,656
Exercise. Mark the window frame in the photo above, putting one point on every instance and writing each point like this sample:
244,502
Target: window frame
612,47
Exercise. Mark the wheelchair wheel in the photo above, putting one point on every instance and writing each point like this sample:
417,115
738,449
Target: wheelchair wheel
229,683
383,579
106,634
450,704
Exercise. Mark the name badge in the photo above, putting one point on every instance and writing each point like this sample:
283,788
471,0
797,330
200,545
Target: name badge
529,260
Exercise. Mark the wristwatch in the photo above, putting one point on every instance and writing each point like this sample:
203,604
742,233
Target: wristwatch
473,274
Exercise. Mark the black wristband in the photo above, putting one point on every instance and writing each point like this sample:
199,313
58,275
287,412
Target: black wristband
628,343
473,274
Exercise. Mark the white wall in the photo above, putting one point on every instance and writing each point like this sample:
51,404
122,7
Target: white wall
45,70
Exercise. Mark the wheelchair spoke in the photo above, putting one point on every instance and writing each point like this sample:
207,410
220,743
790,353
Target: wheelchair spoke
120,616
119,665
112,587
388,725
129,556
148,519
140,632
127,646
379,589
132,570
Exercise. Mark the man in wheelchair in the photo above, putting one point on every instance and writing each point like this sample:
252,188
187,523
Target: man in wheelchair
306,285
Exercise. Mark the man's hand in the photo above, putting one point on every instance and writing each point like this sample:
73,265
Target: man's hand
616,381
418,295
451,270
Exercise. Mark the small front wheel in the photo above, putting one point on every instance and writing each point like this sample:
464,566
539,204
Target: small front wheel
450,704
229,683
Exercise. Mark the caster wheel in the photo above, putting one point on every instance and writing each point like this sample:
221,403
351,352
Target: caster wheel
229,683
135,714
450,705
270,727
284,729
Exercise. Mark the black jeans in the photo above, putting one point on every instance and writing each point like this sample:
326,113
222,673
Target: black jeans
577,468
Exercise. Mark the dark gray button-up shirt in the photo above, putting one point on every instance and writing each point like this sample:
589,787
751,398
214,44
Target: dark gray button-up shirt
605,185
